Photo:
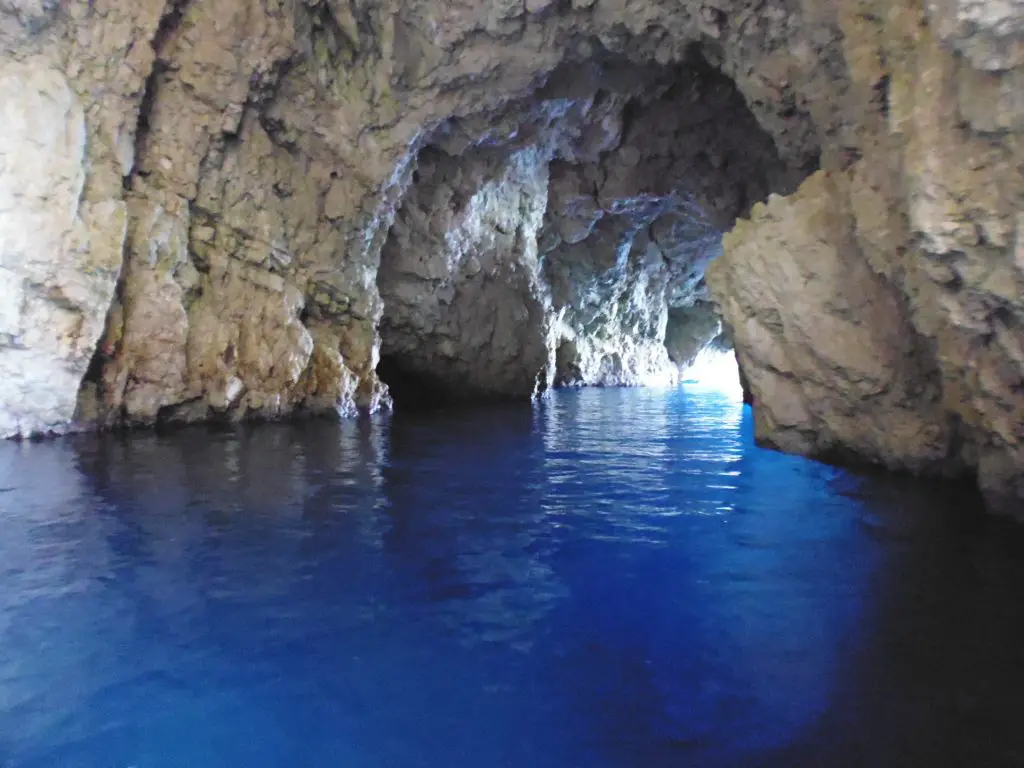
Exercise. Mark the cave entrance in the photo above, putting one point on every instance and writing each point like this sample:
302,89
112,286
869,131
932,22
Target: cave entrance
562,241
714,370
416,389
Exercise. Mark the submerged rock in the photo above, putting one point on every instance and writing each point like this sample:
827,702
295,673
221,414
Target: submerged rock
233,208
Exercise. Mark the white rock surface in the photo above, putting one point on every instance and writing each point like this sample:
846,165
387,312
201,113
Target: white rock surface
57,269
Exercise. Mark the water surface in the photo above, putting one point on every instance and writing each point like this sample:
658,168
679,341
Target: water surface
615,578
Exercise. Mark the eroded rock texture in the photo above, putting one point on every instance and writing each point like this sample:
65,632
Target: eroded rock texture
879,312
557,240
233,208
464,304
631,227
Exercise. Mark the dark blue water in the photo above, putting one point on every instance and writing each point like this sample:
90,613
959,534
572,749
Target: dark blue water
613,578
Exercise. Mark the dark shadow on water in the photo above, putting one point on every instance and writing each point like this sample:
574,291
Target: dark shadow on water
933,677
415,391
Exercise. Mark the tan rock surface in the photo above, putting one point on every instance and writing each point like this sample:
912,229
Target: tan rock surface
831,360
932,204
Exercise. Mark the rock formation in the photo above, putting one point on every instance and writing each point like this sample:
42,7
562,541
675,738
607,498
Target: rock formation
236,208
878,313
575,222
59,253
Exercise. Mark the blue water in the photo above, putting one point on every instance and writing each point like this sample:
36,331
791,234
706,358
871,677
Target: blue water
612,578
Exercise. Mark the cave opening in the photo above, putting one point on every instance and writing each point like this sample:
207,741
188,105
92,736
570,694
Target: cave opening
562,241
715,369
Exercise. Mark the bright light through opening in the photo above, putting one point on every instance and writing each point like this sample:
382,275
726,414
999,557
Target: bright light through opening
715,370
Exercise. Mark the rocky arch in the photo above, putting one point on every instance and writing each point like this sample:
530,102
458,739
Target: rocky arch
204,237
560,239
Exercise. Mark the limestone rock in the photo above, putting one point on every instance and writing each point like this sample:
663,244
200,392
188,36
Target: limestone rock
830,358
548,243
632,227
459,278
59,259
263,147
688,330
931,204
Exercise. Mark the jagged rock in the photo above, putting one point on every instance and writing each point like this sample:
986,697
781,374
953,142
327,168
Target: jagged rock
263,147
688,331
631,229
234,168
479,298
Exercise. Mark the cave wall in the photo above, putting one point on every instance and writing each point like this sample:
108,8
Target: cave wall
198,195
631,228
552,241
878,313
459,278
59,253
